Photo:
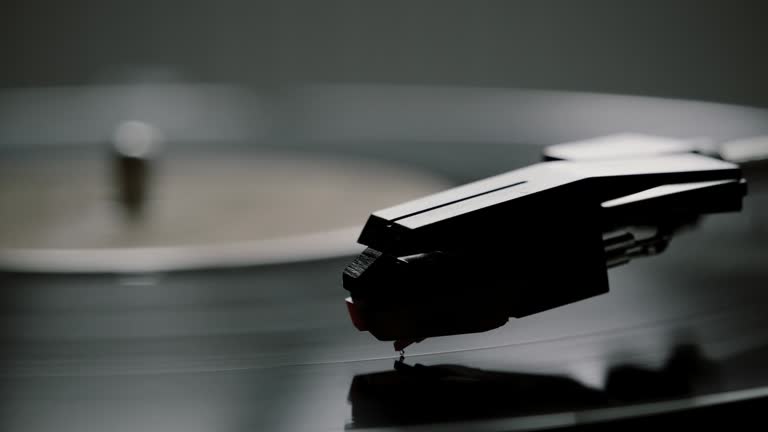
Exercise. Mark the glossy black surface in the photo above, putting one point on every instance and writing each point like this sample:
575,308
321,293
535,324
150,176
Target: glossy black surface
272,348
264,349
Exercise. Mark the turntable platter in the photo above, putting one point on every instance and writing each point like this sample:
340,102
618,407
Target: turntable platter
270,347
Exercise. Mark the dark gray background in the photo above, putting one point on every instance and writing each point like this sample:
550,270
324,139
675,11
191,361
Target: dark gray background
708,50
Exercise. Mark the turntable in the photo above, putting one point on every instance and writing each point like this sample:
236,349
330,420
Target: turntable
195,283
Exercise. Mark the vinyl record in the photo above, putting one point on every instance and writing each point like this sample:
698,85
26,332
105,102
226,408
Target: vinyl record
204,318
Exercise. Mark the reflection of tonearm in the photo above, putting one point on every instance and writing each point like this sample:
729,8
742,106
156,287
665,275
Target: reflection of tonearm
532,239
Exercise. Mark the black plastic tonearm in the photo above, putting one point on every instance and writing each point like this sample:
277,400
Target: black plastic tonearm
532,239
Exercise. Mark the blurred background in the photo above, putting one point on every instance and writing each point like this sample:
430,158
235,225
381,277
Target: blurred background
707,50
